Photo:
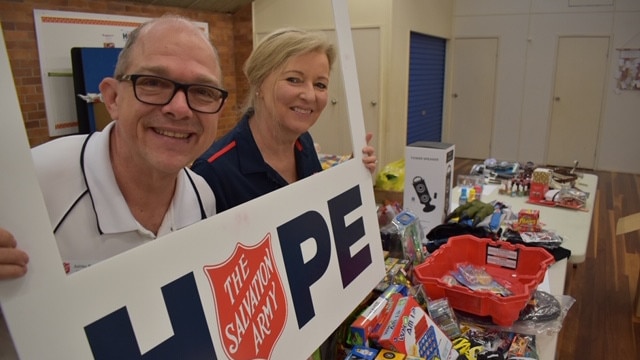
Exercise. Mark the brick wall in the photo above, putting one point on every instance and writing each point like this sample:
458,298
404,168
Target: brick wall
243,32
232,35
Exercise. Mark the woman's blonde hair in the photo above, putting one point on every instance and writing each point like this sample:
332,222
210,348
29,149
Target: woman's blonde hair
276,49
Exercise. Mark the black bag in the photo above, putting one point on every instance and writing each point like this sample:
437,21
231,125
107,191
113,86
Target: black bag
440,234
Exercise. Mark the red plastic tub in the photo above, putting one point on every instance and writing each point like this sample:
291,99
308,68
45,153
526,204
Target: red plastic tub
518,268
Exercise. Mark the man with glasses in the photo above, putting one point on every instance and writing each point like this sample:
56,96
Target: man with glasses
128,184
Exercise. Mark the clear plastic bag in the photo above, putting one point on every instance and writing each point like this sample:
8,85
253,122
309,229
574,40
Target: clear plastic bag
531,325
542,320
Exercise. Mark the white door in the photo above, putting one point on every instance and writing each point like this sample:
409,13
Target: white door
473,94
577,100
366,45
332,131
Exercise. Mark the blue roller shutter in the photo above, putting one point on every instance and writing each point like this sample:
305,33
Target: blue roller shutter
426,88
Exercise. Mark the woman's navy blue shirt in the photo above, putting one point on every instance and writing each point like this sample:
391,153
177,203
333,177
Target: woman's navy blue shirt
236,171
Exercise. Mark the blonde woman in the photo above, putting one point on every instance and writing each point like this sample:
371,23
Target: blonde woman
270,147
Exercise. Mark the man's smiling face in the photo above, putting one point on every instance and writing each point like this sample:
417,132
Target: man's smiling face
166,138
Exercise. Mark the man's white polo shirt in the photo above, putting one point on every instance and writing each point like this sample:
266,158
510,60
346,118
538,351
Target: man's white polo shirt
88,213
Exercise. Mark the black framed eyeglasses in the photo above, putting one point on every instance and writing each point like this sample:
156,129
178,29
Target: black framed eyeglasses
156,90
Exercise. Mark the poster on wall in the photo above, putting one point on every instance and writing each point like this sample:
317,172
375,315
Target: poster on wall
249,283
57,32
628,76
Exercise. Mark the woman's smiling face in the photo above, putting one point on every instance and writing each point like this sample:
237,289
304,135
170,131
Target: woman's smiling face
295,95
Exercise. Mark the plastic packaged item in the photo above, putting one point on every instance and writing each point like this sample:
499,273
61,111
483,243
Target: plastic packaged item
397,272
359,352
571,197
475,212
477,279
522,347
546,238
478,189
544,314
463,196
474,275
542,307
469,180
443,315
403,238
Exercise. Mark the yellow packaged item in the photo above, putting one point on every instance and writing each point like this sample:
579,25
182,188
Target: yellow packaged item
391,177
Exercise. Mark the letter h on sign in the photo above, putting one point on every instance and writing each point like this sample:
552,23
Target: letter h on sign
112,336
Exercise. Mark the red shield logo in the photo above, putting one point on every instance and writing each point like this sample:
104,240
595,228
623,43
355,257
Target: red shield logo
251,305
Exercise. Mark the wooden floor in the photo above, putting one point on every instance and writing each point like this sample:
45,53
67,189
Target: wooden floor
601,324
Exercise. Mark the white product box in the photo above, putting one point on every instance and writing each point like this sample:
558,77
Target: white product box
428,181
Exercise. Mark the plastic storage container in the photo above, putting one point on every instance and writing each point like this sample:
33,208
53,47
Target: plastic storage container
517,267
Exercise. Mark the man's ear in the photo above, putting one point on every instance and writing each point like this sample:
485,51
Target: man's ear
109,90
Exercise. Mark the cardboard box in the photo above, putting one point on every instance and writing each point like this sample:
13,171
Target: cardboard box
428,181
628,224
411,331
365,323
540,180
528,220
383,319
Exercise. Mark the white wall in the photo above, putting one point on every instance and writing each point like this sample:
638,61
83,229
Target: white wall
528,32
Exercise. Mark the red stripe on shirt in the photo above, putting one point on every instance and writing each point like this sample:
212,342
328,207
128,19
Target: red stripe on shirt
298,145
222,151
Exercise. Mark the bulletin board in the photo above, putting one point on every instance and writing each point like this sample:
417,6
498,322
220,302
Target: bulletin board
59,31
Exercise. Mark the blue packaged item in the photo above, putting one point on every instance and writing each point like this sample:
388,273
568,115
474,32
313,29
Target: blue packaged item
362,353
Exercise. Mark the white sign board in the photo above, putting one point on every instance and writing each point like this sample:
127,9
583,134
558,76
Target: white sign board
270,279
59,31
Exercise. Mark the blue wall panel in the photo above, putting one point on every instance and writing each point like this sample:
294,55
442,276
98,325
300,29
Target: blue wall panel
426,88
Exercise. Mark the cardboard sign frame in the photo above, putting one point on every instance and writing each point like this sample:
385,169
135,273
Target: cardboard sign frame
317,258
